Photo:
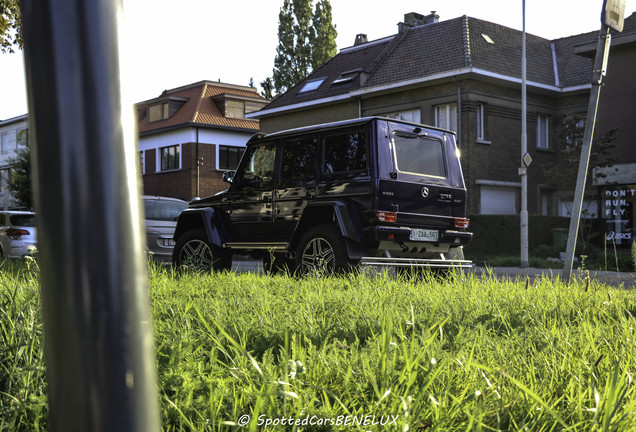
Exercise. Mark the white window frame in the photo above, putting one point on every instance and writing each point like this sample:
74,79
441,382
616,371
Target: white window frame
4,143
142,162
444,112
312,85
481,124
543,132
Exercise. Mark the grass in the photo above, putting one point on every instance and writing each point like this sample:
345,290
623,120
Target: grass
460,353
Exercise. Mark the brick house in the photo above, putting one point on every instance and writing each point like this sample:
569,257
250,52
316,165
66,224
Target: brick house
464,74
14,135
203,122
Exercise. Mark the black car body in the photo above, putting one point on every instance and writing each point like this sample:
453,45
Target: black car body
371,190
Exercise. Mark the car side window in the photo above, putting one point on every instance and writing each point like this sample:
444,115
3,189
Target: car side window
346,152
258,169
299,160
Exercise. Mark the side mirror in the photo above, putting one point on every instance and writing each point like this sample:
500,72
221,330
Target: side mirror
228,176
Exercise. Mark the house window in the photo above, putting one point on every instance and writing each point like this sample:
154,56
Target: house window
410,115
141,163
229,157
481,122
5,175
23,138
169,158
542,132
546,198
346,77
311,85
160,111
446,116
4,143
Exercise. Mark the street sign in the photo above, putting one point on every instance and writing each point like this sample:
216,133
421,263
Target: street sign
527,159
613,14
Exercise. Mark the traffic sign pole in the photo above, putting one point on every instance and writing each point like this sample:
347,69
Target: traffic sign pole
600,64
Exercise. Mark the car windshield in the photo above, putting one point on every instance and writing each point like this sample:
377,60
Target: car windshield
22,220
419,155
163,210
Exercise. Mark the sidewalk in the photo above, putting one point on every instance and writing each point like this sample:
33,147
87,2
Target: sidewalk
625,279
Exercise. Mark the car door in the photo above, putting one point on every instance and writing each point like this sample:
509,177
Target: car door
296,184
251,195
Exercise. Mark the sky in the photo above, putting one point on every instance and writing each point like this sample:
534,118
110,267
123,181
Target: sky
170,44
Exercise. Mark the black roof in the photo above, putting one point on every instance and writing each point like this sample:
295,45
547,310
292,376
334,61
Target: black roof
459,45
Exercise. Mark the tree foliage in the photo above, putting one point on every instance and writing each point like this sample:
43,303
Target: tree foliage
10,25
306,40
564,171
20,180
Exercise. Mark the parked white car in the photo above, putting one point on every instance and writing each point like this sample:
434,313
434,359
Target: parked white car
18,235
161,219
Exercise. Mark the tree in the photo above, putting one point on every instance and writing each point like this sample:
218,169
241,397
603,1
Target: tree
565,170
323,35
10,25
306,41
20,180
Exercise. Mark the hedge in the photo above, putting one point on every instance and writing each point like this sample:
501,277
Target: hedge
500,234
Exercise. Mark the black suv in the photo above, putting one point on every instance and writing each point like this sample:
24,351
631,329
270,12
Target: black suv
373,190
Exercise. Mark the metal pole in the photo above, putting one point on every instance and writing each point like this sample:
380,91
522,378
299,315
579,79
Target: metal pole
95,307
600,66
524,149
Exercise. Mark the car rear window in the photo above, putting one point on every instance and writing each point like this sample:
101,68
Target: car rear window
22,220
418,154
163,210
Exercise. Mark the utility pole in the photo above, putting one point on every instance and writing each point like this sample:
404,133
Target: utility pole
525,157
612,16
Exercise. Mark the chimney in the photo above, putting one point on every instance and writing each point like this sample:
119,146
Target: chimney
414,19
361,39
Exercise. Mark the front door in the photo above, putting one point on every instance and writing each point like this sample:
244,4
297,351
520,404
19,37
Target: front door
251,195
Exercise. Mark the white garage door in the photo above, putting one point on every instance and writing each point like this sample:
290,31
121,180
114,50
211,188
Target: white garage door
498,200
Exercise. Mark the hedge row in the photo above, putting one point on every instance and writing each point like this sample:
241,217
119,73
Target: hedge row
500,234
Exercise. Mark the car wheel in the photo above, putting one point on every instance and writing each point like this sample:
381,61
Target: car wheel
322,251
193,251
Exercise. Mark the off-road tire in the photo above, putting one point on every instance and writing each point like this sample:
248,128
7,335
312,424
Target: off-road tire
322,251
193,251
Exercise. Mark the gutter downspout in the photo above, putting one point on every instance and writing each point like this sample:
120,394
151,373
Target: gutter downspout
459,112
198,196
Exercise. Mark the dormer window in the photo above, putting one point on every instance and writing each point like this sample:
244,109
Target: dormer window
312,85
160,111
234,106
346,77
164,108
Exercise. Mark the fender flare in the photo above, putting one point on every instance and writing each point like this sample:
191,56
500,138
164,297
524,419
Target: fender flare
348,222
208,219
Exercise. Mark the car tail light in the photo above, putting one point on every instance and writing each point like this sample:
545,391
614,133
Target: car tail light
16,234
462,223
387,216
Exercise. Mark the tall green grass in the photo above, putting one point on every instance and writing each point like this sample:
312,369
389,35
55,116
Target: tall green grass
444,354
